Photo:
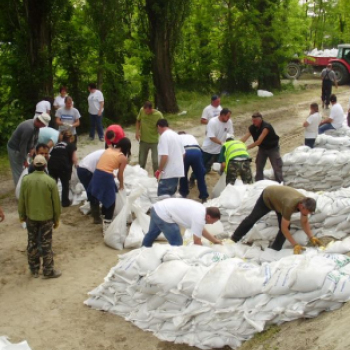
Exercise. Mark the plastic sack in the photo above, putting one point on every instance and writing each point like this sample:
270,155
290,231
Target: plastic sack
120,201
18,187
117,231
220,186
6,345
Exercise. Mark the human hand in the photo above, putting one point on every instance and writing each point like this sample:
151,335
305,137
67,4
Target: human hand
316,242
56,224
2,215
21,220
158,173
298,249
137,136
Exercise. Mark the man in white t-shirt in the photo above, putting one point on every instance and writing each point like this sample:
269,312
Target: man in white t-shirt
170,160
311,125
43,106
68,117
335,119
211,111
85,171
96,107
217,130
168,214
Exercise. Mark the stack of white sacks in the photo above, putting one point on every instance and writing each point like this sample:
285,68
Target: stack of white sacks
210,297
323,53
317,169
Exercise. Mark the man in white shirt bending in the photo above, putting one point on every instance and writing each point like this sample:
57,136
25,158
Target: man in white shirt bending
335,119
168,214
170,160
211,111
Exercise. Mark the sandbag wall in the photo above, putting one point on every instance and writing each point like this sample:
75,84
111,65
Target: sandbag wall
208,299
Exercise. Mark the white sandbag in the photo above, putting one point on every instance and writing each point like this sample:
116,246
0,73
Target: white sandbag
135,236
340,247
220,186
119,201
85,208
5,344
18,187
264,93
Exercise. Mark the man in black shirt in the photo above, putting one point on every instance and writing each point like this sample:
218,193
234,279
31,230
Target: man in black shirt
265,137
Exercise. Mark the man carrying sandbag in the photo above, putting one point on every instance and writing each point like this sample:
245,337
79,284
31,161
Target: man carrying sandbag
284,201
168,214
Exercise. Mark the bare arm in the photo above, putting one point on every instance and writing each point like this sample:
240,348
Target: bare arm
58,121
50,144
2,215
305,225
204,121
210,237
76,123
102,103
246,137
305,124
260,139
137,132
216,140
326,121
285,230
120,176
162,163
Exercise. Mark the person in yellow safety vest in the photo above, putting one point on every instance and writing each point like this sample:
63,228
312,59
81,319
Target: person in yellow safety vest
235,161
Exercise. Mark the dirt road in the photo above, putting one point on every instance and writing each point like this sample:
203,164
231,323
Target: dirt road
50,314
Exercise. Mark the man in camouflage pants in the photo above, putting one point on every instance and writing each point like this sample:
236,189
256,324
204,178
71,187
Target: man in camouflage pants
235,161
39,206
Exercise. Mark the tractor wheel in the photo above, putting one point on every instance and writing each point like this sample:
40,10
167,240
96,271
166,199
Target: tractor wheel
292,71
341,73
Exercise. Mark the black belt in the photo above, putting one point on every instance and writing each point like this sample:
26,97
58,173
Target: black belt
38,112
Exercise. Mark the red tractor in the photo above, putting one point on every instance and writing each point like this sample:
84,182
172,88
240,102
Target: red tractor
341,65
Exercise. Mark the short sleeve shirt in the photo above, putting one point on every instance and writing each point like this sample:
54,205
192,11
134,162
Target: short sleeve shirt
210,112
337,115
148,128
43,106
94,100
282,199
311,130
68,116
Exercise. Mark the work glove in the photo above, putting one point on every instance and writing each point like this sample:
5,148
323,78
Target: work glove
158,173
316,242
21,220
56,224
298,249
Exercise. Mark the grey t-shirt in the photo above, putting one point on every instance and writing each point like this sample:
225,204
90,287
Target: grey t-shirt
68,116
328,74
24,138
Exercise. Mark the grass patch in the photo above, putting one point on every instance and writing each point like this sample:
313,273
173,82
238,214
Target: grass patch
262,340
4,161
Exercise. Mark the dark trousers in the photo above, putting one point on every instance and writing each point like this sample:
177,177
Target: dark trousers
276,162
193,158
108,212
326,91
240,168
309,142
40,231
64,176
260,209
96,123
85,177
208,160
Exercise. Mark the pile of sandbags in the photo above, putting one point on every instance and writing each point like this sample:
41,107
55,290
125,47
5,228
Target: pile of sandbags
340,143
317,169
210,297
331,218
323,53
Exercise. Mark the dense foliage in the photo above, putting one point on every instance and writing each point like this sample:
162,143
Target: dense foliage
147,49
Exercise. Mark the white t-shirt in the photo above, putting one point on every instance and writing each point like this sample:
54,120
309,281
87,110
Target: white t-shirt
94,100
216,128
311,131
68,116
59,101
188,140
170,145
210,112
90,161
43,107
184,212
337,114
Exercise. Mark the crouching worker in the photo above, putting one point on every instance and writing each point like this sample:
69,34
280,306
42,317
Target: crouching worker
168,214
235,161
284,201
39,205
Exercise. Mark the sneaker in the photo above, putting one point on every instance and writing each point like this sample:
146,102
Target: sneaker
53,274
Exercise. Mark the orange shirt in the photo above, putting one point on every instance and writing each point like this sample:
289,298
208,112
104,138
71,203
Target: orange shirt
109,161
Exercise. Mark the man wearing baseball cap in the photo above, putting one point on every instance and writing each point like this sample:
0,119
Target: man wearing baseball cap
39,206
23,141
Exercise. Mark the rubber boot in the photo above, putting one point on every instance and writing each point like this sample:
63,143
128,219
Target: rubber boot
95,213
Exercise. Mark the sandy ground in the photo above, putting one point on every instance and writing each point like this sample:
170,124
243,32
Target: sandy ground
50,314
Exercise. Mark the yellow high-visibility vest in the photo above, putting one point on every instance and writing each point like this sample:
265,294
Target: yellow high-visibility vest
234,149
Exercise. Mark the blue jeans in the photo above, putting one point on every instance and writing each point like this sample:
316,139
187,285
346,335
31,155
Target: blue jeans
96,122
85,177
193,158
325,127
157,225
167,187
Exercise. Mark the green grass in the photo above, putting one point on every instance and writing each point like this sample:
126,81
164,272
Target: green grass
262,340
